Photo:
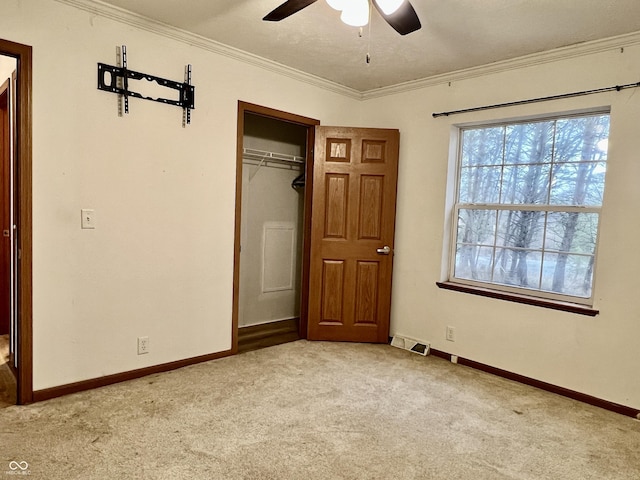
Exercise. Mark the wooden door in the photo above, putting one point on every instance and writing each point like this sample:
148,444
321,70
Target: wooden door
5,211
353,222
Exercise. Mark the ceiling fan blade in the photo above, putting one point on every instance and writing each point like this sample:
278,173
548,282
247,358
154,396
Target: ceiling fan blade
286,9
404,20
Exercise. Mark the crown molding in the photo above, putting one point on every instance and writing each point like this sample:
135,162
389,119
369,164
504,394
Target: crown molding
141,22
102,9
549,56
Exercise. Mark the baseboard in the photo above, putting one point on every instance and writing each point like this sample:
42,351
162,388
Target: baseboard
269,334
53,392
565,392
255,337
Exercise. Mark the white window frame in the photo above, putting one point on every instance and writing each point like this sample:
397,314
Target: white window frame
456,206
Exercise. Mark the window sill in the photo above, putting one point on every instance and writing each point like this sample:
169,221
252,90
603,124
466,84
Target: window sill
513,297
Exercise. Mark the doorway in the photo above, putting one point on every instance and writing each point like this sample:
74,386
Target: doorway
272,214
16,216
350,185
7,266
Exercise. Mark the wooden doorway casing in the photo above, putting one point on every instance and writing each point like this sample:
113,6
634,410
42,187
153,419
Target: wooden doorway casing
309,123
23,200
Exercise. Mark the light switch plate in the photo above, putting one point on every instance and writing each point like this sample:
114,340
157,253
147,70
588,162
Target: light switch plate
88,218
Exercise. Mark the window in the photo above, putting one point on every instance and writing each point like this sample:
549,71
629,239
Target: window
528,206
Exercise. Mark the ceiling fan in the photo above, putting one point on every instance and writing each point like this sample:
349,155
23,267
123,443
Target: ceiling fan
400,14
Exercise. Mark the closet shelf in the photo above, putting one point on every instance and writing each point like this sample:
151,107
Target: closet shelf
263,157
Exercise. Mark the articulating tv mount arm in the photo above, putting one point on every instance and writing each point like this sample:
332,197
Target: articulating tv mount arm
118,82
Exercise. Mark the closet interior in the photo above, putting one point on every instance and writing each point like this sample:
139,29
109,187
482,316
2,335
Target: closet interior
271,229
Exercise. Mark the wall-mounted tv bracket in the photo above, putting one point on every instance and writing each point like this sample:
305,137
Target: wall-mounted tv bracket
115,79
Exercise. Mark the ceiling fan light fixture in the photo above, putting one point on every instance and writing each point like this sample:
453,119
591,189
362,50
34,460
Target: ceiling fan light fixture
337,4
403,18
356,13
389,6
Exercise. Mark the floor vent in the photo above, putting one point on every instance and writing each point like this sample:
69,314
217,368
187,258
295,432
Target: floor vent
410,344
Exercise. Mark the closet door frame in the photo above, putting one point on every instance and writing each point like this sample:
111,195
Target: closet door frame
310,124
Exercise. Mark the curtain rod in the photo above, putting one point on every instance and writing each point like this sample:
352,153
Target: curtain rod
536,100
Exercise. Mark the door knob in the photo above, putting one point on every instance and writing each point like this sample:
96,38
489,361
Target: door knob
5,233
386,250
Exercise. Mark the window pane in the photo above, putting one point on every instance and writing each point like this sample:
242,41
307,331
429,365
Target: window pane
529,143
476,226
582,139
572,232
568,274
544,169
521,229
473,262
578,184
520,268
525,184
479,185
482,146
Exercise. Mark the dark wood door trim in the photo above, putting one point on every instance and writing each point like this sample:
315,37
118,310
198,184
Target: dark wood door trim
310,123
23,146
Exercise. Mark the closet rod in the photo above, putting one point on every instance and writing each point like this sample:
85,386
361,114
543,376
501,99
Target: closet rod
264,156
536,100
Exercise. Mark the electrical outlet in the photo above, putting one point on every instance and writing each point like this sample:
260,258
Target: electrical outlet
143,345
451,333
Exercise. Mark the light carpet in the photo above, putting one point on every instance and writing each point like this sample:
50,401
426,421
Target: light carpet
315,410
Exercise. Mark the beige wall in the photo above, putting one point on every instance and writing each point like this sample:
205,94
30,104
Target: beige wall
160,261
598,356
7,66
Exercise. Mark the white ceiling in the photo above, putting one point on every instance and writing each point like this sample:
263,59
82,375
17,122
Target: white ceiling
455,34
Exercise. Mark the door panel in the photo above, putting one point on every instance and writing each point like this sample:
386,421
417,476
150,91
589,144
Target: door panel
332,290
367,280
370,208
353,216
337,196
